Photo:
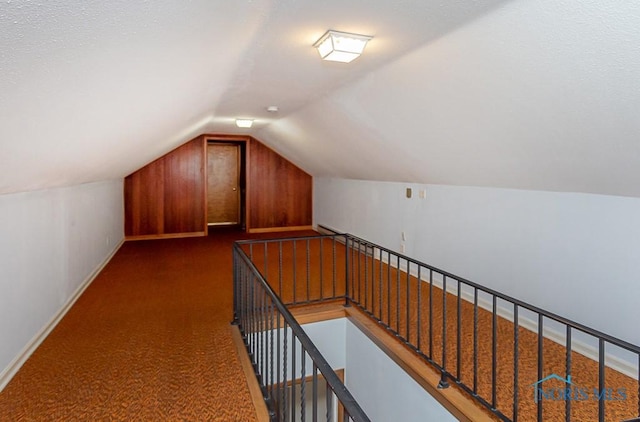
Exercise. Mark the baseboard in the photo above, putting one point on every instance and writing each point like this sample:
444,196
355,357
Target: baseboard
280,229
453,399
262,413
10,371
612,361
322,229
166,236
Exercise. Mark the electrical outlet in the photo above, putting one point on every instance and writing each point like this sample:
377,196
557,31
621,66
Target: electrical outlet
402,248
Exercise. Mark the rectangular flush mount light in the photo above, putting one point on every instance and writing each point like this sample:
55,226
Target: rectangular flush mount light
341,46
244,123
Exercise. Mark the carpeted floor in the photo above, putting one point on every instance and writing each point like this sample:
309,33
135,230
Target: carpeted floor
148,340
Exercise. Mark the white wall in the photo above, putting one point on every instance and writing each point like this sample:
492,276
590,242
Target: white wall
328,336
51,242
573,254
382,388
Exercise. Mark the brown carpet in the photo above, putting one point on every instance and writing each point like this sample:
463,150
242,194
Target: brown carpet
148,340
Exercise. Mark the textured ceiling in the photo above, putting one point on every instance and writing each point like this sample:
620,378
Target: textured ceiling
521,94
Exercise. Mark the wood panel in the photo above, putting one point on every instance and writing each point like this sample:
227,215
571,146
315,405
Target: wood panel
184,189
280,194
144,192
166,197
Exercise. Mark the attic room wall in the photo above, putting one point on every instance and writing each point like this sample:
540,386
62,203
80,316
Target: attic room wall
51,243
280,194
166,198
572,254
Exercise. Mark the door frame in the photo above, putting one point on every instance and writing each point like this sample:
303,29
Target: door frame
243,142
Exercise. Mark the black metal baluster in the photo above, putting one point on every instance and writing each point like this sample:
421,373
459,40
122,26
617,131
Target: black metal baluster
293,377
373,280
329,404
458,332
567,409
540,363
268,351
334,268
408,308
263,350
419,334
494,353
347,271
235,285
354,267
251,315
295,271
601,380
271,353
516,337
244,314
398,294
430,314
308,270
443,379
303,385
360,264
366,277
285,381
280,269
321,268
314,381
266,261
475,340
380,289
279,365
389,289
372,287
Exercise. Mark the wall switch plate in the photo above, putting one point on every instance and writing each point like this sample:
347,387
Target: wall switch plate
422,194
408,192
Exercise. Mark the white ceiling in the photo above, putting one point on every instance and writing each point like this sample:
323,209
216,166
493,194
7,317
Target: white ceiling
522,94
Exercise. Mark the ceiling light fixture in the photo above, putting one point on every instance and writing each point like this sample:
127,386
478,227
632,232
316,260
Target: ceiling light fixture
341,46
244,123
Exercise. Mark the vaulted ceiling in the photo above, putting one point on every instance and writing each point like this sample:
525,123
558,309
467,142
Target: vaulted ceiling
541,95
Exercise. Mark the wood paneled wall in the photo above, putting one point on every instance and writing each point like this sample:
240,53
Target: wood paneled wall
166,198
280,194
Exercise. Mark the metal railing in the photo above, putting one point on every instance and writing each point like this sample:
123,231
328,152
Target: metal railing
477,338
297,383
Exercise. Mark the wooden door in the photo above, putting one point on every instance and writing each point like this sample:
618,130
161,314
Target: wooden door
223,184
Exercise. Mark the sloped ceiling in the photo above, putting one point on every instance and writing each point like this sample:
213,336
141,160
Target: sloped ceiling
532,95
